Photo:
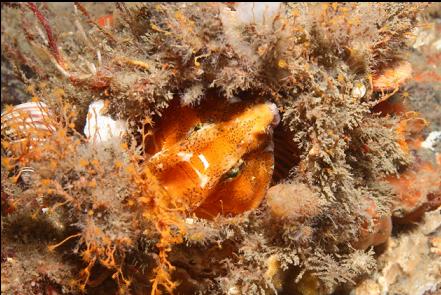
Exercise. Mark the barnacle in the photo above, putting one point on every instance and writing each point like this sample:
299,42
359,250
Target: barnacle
25,125
100,127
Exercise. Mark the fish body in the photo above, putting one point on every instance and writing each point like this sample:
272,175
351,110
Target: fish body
216,162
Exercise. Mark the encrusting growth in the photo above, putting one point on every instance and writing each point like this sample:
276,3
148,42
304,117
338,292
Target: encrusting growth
207,148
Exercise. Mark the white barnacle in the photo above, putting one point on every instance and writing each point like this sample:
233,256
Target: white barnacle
102,128
359,90
431,140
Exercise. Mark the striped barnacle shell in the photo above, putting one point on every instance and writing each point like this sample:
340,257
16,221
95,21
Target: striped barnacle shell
25,174
25,125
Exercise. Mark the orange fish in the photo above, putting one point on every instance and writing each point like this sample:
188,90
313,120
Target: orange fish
218,157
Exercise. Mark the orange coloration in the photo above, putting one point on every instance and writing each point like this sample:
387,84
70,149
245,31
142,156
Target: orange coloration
418,190
100,248
53,247
436,245
106,21
434,59
428,77
51,143
132,62
208,160
25,126
392,78
376,229
409,131
391,106
214,161
244,192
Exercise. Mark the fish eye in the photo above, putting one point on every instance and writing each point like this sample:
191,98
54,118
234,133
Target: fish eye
197,127
235,171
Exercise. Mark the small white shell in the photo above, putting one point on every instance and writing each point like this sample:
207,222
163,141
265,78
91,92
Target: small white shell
437,45
233,290
431,140
359,90
257,12
100,128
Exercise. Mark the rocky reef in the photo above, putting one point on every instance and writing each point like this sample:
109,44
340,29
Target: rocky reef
219,148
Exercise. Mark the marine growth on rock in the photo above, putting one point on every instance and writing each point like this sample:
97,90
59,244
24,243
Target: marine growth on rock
207,148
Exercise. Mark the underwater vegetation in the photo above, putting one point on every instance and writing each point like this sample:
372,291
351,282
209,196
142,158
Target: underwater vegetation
207,148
